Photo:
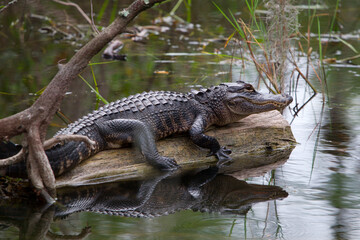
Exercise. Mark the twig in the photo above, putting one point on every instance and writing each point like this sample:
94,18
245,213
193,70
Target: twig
8,5
306,80
312,66
92,16
63,117
296,111
81,12
257,65
54,27
349,58
76,29
302,75
260,69
62,138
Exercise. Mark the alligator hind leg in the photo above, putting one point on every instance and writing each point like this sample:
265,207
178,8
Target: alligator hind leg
118,130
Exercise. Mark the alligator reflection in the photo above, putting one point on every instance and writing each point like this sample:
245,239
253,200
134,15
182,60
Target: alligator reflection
202,191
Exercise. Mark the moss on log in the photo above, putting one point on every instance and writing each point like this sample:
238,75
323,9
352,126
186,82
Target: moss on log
259,140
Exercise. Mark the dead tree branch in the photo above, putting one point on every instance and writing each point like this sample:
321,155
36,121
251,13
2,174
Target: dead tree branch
62,138
33,121
81,12
8,5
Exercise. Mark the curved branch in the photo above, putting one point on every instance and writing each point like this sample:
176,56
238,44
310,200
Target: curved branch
15,124
39,168
20,156
81,12
62,138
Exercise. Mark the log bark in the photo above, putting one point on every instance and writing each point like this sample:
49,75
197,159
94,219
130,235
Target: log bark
256,141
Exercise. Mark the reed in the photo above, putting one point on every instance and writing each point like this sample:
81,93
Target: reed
267,51
95,90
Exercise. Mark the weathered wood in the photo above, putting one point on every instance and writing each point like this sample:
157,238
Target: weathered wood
258,140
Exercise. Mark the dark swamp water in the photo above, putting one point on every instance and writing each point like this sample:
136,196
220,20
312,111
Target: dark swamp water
314,195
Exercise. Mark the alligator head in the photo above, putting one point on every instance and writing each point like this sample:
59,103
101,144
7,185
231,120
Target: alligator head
234,101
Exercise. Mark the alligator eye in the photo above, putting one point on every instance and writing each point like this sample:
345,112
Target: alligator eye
249,88
232,103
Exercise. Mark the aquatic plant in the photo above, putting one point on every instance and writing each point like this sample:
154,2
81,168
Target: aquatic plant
281,21
271,36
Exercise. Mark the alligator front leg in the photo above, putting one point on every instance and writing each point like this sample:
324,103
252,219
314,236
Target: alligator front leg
119,204
199,138
131,130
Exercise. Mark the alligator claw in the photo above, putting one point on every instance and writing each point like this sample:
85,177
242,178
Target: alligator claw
227,151
223,156
167,164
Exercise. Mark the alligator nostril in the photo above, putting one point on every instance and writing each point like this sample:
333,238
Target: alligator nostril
290,99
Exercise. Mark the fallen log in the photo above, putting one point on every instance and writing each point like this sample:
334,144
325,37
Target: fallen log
258,140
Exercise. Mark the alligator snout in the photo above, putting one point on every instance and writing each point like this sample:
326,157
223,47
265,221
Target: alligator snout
281,101
288,98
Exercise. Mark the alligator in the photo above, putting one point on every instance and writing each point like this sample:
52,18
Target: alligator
143,118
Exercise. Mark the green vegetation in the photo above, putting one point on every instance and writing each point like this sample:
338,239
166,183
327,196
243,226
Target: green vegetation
256,39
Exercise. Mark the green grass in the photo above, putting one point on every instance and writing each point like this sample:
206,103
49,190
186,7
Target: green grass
187,4
102,10
334,16
98,95
319,37
233,22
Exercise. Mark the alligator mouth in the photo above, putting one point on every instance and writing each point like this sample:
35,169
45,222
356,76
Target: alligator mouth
273,103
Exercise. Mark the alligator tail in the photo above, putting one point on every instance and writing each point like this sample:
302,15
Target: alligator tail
65,157
62,158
